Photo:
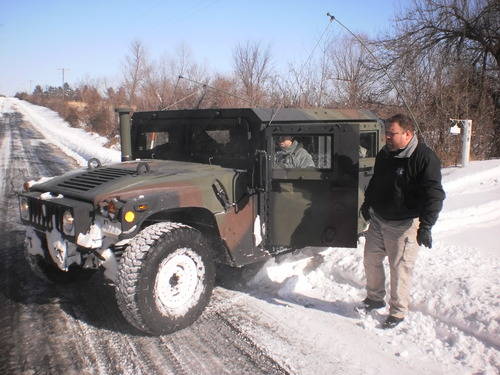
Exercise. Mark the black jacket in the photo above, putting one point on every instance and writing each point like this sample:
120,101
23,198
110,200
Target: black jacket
407,184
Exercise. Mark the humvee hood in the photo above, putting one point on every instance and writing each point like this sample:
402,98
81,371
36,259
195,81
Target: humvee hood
123,181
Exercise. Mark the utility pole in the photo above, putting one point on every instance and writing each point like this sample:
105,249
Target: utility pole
62,70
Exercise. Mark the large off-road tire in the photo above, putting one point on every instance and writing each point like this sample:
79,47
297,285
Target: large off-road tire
165,278
45,269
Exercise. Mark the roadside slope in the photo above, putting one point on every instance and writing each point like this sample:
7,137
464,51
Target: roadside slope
74,142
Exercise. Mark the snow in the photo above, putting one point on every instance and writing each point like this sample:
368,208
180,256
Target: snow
75,142
455,314
33,243
38,181
62,252
5,149
257,233
48,196
92,239
302,305
110,264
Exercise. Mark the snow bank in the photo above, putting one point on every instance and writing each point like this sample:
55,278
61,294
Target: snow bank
5,105
75,142
455,310
454,317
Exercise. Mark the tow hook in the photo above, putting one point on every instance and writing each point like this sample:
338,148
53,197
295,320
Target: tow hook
96,253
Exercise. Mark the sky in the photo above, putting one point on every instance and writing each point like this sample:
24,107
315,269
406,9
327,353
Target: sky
90,39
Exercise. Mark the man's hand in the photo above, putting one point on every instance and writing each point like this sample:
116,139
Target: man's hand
424,237
365,211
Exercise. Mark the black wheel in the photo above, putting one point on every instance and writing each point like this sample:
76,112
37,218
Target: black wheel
165,278
45,269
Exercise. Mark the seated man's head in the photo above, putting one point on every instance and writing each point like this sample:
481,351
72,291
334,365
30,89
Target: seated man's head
285,141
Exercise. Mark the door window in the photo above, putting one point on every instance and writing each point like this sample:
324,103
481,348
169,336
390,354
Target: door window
303,151
367,144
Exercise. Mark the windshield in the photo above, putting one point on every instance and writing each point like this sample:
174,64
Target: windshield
225,144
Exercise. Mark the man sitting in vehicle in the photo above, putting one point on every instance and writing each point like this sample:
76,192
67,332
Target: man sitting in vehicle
292,154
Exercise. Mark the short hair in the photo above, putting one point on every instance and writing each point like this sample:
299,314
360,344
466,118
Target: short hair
283,138
402,120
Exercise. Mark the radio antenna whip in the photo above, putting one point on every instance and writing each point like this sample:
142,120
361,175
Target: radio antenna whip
280,106
180,100
332,18
205,86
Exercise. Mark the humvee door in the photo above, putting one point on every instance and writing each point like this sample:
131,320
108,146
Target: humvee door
314,205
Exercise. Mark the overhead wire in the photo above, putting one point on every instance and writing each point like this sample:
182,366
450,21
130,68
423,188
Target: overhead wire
333,18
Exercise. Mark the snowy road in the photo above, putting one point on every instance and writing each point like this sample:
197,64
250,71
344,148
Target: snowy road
294,316
78,329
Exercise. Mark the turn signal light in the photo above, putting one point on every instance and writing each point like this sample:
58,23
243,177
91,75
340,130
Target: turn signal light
129,216
142,207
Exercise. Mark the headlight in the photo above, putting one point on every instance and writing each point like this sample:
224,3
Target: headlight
109,209
24,208
68,223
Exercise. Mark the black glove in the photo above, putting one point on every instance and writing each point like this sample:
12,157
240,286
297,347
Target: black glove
365,211
424,237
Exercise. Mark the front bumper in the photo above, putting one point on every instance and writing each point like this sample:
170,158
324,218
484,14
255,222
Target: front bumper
92,234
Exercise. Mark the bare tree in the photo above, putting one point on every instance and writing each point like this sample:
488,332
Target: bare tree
134,71
445,40
310,83
252,67
177,90
356,82
221,96
454,27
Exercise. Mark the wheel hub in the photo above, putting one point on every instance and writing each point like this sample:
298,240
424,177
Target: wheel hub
179,281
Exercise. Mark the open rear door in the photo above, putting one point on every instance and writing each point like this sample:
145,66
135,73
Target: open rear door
314,206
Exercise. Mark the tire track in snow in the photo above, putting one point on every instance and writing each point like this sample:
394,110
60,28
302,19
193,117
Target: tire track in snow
77,328
40,332
5,151
28,312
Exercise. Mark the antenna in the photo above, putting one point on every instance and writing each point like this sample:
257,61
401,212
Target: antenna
180,100
332,18
280,106
205,86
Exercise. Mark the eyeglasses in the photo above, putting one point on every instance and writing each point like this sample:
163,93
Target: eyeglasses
391,135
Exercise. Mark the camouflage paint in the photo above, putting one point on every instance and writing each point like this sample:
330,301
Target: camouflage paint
173,186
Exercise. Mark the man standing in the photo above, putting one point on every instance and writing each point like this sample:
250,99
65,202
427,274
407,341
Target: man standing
402,203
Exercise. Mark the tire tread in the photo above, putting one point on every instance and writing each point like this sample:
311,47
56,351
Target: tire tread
130,266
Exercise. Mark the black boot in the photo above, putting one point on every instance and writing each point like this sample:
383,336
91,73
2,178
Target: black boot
391,322
370,304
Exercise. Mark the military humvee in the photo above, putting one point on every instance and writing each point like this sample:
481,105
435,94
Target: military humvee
195,188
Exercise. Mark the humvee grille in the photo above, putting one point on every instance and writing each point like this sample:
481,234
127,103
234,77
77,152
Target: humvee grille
94,178
41,213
